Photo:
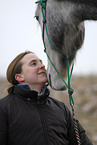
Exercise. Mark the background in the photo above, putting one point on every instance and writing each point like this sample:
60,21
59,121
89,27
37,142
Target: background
19,31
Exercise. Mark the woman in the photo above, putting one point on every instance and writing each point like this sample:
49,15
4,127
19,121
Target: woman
28,116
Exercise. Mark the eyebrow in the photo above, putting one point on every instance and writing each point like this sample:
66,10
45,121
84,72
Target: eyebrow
34,60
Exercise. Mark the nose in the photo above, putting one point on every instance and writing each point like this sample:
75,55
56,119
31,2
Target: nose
42,66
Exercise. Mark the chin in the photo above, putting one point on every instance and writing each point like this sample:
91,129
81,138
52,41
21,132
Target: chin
44,81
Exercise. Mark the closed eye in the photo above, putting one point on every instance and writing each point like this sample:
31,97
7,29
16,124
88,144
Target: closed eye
33,63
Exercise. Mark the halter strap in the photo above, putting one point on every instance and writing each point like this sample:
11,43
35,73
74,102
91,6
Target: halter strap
70,90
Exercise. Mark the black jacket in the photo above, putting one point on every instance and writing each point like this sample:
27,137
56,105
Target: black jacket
27,118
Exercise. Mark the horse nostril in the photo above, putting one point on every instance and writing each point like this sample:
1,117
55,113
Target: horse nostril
49,80
49,77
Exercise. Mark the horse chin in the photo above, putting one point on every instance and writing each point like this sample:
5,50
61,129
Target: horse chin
57,84
59,88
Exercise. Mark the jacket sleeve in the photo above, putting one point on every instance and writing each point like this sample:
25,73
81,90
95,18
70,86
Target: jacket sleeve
71,131
3,126
84,138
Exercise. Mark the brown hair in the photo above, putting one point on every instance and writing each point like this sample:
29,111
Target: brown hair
15,67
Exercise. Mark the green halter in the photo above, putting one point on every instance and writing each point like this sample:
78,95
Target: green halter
70,90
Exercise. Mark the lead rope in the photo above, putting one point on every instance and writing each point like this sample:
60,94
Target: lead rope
70,90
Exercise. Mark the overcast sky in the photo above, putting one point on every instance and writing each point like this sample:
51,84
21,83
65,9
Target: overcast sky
19,31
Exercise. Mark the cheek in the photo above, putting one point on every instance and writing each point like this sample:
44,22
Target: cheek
30,74
29,70
30,78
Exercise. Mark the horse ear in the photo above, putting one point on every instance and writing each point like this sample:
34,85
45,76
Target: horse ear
19,77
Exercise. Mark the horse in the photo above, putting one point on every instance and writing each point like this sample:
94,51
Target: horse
66,30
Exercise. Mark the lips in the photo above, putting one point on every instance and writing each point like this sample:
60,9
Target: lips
42,72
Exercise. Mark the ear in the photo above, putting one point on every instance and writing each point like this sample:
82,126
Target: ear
19,78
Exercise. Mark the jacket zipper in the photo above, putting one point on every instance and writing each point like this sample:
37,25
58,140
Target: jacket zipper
43,122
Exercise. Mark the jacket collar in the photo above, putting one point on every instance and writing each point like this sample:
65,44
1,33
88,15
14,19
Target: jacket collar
24,92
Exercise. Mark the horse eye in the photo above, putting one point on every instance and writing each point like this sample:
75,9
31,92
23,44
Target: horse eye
37,18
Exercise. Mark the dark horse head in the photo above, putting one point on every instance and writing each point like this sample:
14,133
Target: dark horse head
65,26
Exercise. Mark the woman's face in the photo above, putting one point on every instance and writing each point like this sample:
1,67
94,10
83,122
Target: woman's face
33,71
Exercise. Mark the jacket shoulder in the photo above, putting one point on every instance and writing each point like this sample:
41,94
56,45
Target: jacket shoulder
59,104
4,102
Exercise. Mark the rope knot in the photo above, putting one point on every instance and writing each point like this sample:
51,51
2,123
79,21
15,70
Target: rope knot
70,91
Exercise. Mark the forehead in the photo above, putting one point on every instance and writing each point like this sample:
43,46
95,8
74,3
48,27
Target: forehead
29,57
